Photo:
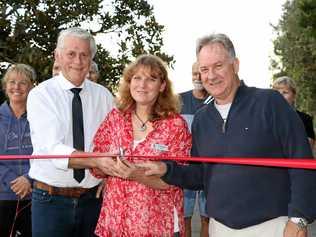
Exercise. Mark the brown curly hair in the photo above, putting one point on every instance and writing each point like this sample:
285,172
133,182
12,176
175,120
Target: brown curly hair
167,103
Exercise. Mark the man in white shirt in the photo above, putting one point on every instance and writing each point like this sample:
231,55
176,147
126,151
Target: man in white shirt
63,205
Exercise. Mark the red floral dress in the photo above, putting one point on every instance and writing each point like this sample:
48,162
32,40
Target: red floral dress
130,208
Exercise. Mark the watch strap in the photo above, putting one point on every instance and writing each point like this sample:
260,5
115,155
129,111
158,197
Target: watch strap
299,221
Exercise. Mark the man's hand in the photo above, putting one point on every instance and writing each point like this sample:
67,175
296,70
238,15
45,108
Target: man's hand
132,171
106,165
21,186
157,168
292,230
127,170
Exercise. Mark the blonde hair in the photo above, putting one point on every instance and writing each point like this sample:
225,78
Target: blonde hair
167,102
286,81
19,68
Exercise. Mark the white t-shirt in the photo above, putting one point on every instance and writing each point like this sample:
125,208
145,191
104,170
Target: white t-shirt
223,110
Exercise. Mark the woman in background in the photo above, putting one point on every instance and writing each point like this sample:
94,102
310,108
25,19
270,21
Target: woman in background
146,122
286,86
15,185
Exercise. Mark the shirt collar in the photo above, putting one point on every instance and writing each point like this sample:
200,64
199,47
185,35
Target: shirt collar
66,84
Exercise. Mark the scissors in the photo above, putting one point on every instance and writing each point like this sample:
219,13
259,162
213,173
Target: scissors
122,155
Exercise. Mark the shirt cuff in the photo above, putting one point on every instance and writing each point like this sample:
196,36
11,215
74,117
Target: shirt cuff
62,149
167,176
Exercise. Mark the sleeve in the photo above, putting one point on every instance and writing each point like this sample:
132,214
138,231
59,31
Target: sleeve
181,140
6,174
101,141
309,127
46,133
184,176
102,138
291,134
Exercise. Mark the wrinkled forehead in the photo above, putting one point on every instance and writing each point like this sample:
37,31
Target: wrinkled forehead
73,43
212,53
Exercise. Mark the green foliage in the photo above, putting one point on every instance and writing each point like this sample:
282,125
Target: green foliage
128,28
295,47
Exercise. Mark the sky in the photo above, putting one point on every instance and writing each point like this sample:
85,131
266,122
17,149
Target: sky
246,22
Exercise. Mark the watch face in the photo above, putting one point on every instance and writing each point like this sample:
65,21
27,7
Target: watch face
302,223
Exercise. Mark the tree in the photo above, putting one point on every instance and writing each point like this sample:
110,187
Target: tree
295,47
127,28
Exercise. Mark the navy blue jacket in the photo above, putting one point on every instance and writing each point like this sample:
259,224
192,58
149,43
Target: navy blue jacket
308,124
15,140
260,123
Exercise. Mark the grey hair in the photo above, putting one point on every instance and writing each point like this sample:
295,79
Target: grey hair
216,38
285,80
20,68
80,33
94,66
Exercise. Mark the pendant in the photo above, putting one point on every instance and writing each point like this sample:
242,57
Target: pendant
143,127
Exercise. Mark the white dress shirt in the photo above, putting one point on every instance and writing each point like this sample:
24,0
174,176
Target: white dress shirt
49,112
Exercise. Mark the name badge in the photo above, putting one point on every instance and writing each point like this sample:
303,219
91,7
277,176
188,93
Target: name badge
160,147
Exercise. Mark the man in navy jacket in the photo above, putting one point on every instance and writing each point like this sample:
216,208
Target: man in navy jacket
245,122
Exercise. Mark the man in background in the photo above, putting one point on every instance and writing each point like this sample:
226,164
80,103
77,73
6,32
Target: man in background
93,74
56,69
191,101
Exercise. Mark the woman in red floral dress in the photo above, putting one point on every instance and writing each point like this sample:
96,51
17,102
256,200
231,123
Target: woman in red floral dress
145,122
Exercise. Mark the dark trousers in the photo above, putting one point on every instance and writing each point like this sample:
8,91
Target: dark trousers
22,225
62,216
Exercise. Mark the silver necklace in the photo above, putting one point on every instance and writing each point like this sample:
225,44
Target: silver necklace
143,126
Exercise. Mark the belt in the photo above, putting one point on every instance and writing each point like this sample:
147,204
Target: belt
67,192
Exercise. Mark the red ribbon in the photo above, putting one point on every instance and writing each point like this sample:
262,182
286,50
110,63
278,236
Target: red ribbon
271,162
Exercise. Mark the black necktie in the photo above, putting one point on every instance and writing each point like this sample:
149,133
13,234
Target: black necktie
77,129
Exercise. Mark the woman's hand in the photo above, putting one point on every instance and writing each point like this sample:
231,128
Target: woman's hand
132,171
104,166
21,186
127,170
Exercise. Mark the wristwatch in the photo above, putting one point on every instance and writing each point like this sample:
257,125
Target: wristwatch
300,222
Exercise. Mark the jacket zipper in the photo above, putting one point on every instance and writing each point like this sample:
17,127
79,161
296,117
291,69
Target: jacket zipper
224,126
